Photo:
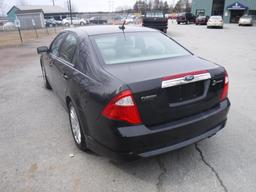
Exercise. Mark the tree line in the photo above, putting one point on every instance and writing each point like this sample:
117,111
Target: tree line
141,6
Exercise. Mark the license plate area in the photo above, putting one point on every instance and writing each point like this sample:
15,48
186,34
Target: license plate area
187,93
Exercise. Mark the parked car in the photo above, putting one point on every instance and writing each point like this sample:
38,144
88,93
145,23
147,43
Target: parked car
118,20
215,21
58,22
75,21
185,18
129,20
201,20
155,20
172,16
98,20
134,92
50,23
9,26
246,20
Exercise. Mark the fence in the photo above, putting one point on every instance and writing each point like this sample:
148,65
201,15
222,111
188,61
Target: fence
12,38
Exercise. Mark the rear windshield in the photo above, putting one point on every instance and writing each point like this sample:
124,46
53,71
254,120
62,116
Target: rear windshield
216,17
155,14
133,47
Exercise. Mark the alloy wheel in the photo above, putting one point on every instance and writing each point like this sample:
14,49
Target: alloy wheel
75,125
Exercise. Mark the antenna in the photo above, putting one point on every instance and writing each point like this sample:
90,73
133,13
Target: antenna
122,27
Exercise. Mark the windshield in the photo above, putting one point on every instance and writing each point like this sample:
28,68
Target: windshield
155,14
140,46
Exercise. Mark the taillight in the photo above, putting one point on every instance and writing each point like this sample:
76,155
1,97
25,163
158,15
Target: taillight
122,107
225,89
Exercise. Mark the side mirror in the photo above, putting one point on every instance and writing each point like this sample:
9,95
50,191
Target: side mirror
42,49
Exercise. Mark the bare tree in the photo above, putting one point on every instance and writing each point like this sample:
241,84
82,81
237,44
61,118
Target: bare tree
150,5
156,4
2,7
21,2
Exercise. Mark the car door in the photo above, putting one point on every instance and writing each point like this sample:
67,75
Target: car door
53,54
64,64
75,21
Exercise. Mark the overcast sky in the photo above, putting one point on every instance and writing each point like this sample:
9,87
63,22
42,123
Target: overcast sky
81,5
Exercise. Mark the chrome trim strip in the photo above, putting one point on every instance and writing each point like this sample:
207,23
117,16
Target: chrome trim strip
71,66
182,80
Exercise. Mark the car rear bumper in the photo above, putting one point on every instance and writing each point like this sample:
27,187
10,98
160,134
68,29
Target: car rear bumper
214,24
181,20
143,142
201,22
159,27
245,23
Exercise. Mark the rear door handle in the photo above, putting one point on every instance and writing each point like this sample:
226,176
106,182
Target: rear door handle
65,76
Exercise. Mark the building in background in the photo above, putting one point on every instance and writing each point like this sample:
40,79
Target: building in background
56,12
231,10
3,20
31,18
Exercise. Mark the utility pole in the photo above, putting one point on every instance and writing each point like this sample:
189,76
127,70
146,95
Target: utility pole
70,12
53,2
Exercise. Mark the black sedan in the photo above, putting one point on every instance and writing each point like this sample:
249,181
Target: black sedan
201,20
134,92
98,20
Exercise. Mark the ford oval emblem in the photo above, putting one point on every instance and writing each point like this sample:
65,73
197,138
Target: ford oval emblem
189,78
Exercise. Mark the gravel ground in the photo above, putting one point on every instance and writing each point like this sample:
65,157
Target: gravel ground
36,139
12,38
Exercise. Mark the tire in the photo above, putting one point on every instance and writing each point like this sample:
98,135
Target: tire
165,30
82,23
67,24
178,23
46,82
75,126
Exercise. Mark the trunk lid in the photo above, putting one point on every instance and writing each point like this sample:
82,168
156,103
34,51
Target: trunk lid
161,92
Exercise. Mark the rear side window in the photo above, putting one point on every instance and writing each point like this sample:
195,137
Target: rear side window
56,44
68,48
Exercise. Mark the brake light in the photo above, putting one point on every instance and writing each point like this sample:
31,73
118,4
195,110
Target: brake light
122,107
225,89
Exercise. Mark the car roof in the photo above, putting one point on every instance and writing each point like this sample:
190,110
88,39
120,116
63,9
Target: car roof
108,29
247,16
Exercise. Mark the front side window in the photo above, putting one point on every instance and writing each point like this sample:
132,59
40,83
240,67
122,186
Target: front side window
56,44
134,47
68,48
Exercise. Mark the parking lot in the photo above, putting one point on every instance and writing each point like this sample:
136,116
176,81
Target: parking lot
36,140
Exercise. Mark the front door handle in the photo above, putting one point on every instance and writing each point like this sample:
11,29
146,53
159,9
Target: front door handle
65,76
